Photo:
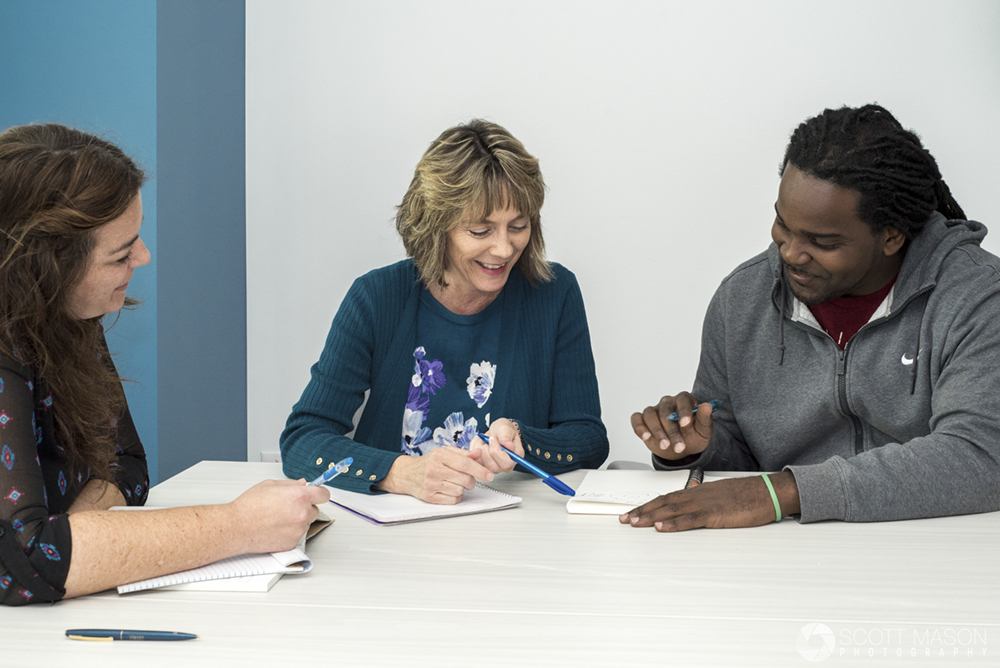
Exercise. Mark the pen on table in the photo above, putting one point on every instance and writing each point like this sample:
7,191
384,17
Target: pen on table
125,634
714,403
333,471
695,476
550,480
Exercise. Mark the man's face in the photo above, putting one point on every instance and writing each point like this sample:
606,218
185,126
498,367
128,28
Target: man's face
827,250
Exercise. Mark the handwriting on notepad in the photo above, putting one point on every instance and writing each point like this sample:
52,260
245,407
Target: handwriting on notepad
633,498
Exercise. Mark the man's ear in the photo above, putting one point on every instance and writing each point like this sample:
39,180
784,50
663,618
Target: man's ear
892,241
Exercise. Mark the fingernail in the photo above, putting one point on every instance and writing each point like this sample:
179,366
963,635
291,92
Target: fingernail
633,520
685,421
646,435
664,444
623,517
659,526
679,447
489,477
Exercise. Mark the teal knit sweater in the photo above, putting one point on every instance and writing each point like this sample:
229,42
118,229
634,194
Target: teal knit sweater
549,386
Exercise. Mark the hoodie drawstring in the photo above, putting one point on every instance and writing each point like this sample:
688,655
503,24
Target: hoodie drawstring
916,355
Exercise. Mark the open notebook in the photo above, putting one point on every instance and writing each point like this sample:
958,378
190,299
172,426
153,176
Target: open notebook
613,492
243,573
401,508
247,572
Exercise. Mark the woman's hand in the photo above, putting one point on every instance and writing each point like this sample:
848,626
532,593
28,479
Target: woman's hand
277,513
670,439
502,432
112,548
440,476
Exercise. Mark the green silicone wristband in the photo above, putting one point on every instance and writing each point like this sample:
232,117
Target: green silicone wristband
774,497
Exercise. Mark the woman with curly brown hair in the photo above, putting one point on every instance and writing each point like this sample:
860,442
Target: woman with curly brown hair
70,214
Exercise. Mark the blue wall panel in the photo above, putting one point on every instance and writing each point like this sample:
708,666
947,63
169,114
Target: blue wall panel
92,65
202,211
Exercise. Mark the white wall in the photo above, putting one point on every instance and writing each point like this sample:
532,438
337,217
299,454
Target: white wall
659,126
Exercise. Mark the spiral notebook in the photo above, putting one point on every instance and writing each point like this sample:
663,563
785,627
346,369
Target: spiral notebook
243,573
401,508
247,572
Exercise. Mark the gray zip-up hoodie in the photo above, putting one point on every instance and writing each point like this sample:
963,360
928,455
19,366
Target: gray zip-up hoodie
904,423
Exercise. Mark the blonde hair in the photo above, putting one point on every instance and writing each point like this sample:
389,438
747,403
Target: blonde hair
467,173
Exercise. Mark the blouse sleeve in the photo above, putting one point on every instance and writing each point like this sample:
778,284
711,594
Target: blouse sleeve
129,468
568,432
315,436
35,547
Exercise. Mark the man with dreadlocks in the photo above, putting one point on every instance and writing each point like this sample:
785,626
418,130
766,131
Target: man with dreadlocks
856,356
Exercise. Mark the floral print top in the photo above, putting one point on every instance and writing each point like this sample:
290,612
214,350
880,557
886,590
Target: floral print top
449,393
37,487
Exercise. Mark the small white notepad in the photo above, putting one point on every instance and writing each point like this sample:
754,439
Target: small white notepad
402,508
613,492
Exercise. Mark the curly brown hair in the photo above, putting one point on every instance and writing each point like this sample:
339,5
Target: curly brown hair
468,172
58,185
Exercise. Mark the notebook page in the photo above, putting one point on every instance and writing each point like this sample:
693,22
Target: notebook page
400,508
612,492
293,561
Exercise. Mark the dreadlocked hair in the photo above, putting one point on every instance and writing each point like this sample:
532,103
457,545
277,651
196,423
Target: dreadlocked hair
867,150
57,187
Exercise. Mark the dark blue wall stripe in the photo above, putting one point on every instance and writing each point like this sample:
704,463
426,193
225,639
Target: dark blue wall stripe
92,65
202,233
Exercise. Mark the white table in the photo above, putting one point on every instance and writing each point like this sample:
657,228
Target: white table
536,586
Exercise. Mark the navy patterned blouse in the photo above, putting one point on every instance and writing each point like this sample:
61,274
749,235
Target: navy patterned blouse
37,487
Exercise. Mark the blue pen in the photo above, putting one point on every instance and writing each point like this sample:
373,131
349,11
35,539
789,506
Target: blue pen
333,471
714,403
550,480
107,635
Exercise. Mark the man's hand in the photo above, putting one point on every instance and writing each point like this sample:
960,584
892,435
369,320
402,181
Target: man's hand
734,502
689,435
440,476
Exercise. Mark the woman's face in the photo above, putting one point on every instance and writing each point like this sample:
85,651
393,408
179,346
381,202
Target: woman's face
117,252
482,253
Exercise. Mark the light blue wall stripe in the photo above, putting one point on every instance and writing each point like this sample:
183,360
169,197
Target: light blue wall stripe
92,65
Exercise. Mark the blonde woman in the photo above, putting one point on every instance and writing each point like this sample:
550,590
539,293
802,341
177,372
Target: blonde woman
475,332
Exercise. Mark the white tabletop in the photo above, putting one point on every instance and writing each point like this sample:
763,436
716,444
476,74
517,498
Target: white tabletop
536,586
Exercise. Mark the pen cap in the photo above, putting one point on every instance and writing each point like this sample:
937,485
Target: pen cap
558,485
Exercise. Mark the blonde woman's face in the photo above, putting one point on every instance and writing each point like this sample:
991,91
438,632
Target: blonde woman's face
481,254
116,254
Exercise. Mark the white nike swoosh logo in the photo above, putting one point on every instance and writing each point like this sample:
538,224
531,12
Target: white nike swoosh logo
907,361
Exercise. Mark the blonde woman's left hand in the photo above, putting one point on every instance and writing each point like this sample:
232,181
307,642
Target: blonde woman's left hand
502,432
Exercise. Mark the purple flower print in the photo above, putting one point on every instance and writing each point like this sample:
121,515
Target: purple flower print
456,431
414,433
428,376
416,401
480,382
